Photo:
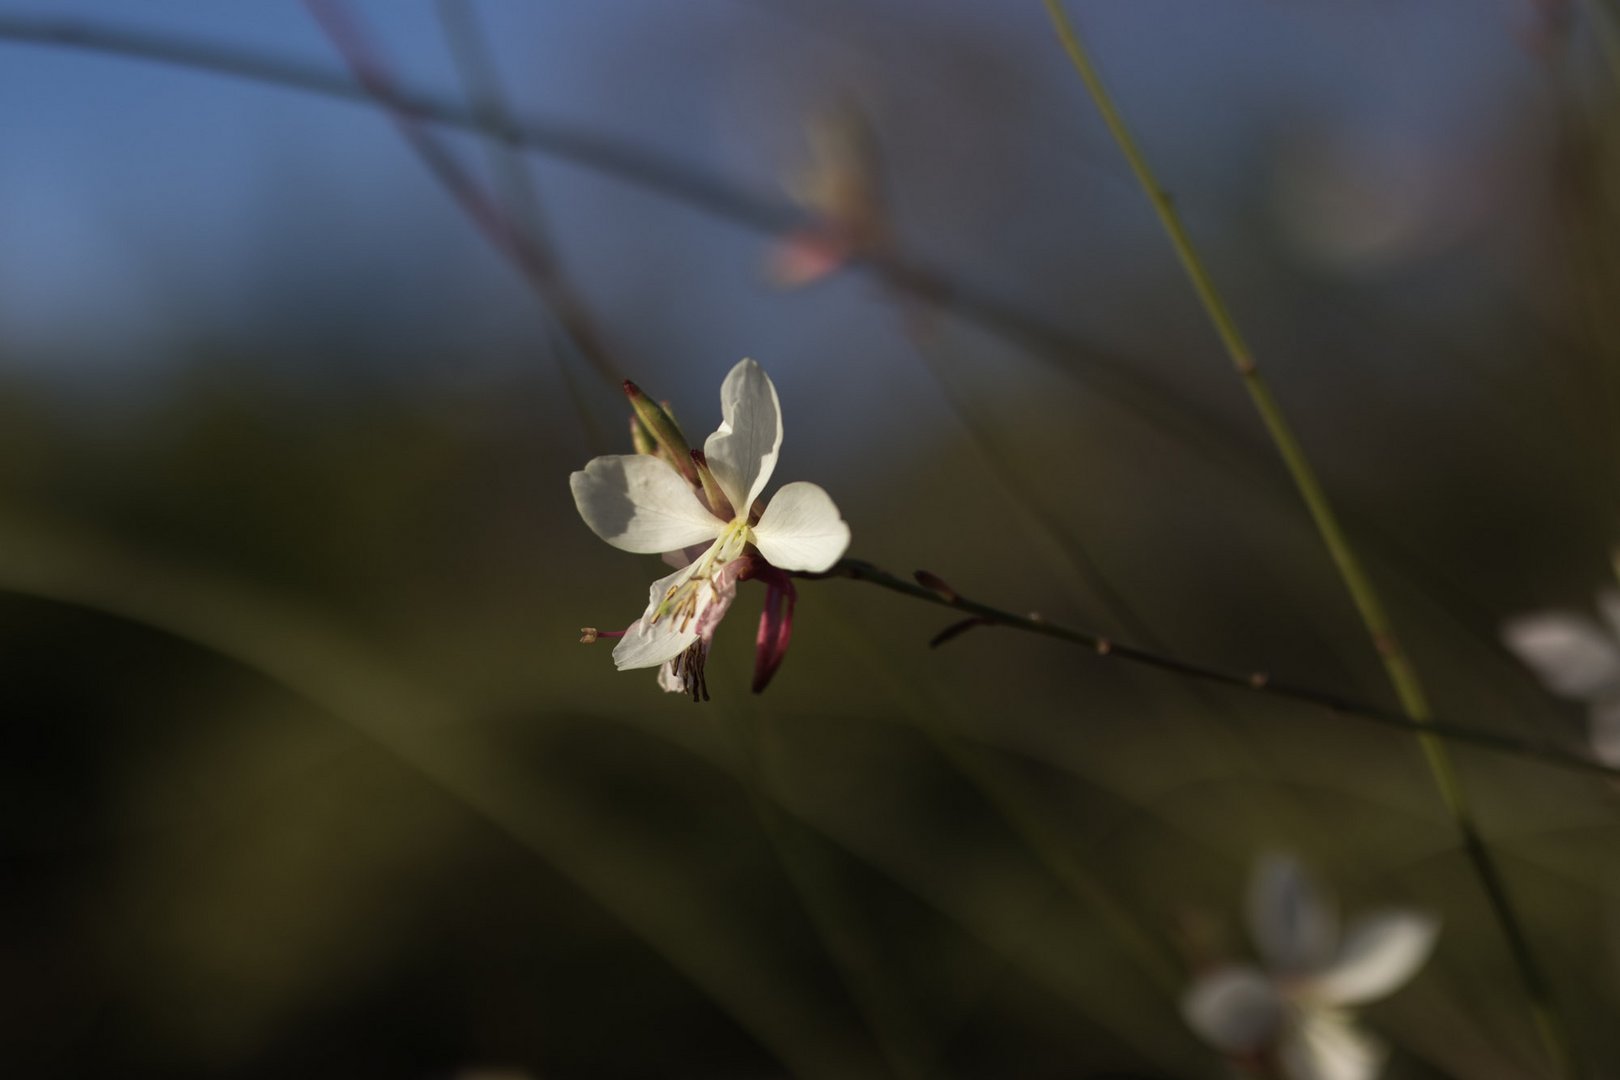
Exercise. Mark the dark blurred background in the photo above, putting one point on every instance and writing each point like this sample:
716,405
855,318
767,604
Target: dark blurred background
304,771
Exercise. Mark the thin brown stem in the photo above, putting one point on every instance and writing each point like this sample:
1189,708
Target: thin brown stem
982,614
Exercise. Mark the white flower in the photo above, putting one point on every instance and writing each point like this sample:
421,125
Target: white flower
1296,1008
1576,658
639,503
842,186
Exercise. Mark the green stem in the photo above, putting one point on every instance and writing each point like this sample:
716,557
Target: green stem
1397,665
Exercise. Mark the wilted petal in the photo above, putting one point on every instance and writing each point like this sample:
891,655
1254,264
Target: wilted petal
648,644
638,503
1380,953
742,452
1569,653
668,680
1294,925
1236,1009
1325,1045
801,530
1605,729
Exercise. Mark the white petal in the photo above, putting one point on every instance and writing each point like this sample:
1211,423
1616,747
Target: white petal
670,681
742,452
1569,653
801,529
1605,730
638,503
1236,1009
1326,1045
647,646
1380,953
650,644
1293,923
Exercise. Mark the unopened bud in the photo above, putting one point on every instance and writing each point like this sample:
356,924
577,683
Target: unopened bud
936,584
641,439
663,430
719,505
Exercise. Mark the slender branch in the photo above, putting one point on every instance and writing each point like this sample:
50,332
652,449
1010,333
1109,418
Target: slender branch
981,614
1398,666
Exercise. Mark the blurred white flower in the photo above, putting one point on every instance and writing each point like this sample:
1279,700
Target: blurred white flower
1295,1010
1575,657
641,503
842,186
1371,199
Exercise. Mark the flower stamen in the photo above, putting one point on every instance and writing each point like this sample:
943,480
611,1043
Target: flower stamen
685,600
688,669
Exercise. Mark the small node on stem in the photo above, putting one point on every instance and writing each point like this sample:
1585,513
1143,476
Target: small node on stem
1259,679
936,584
1104,646
588,635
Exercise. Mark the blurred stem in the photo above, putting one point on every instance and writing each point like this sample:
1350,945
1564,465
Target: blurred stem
1604,25
319,664
839,924
1257,681
481,80
1397,665
518,239
1097,896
